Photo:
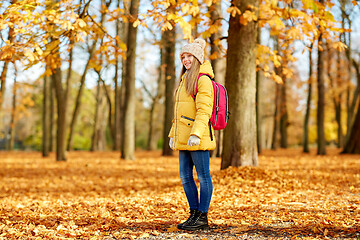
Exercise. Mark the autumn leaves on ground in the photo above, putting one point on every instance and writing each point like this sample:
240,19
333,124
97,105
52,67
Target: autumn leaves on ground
99,196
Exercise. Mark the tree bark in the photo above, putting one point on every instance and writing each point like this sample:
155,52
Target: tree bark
13,114
108,100
350,108
258,101
130,97
308,104
52,115
151,143
61,115
283,115
117,114
5,70
353,143
46,130
275,138
94,138
169,41
321,142
240,145
277,102
78,98
353,139
336,96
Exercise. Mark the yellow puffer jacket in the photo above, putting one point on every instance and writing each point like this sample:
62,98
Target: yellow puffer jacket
192,118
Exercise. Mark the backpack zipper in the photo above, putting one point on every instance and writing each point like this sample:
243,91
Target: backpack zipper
227,106
217,104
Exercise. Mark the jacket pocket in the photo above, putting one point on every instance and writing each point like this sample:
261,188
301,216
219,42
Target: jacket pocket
187,120
185,129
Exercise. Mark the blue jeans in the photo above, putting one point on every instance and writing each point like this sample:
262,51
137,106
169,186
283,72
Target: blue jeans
201,161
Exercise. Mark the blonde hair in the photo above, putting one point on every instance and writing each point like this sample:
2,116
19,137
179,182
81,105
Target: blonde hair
191,76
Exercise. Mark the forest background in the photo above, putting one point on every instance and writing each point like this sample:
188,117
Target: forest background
100,75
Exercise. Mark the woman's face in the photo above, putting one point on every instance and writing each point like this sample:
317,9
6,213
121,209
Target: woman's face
187,60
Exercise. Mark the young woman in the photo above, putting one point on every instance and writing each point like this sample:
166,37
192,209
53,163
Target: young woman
190,132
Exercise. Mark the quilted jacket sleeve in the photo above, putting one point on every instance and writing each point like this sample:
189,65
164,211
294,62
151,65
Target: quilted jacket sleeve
171,133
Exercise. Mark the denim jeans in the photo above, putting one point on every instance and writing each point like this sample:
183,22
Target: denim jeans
201,161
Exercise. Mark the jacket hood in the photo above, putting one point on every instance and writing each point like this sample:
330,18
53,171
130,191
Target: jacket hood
207,69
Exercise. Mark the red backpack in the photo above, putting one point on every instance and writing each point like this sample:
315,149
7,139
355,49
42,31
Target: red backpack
220,113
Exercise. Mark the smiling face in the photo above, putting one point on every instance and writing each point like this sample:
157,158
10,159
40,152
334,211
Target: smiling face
187,60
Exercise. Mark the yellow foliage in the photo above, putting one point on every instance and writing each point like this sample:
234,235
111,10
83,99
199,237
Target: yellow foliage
31,56
81,23
208,2
340,46
194,10
233,10
247,16
136,23
277,78
185,8
166,26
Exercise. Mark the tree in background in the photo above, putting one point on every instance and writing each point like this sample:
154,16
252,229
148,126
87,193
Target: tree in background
168,42
240,141
69,22
46,130
308,102
128,148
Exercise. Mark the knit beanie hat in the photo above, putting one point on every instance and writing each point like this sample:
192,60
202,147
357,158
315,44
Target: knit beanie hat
195,48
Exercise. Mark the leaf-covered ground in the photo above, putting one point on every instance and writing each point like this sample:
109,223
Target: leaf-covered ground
99,196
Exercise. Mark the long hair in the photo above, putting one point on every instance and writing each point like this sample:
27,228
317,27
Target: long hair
191,76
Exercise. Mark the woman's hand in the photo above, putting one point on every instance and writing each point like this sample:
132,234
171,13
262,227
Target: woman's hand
193,140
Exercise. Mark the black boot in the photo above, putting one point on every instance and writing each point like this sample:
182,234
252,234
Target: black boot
193,213
199,222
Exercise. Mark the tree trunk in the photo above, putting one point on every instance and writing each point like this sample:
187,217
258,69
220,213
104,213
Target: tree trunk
277,100
78,98
274,144
151,144
169,42
353,139
46,117
108,100
52,115
122,99
61,115
3,82
240,145
283,115
308,104
258,101
321,142
350,108
13,113
5,70
353,142
336,96
218,63
130,97
94,138
117,119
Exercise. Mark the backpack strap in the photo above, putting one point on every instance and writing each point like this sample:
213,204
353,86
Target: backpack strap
197,81
194,96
